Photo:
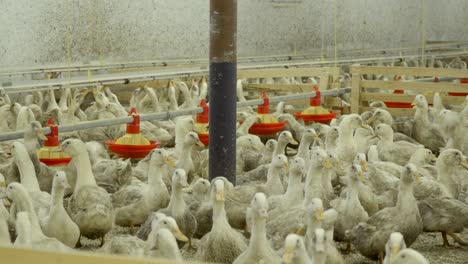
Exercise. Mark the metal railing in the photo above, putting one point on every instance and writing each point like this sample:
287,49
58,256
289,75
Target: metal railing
169,114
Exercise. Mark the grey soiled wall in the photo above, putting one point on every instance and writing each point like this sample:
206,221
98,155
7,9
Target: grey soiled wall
35,32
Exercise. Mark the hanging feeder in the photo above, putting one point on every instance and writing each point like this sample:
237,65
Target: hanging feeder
268,124
50,154
132,144
315,113
201,124
398,104
464,81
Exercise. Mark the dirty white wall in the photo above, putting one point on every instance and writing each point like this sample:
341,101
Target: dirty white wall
35,32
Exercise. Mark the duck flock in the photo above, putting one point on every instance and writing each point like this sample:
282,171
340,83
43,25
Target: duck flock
369,184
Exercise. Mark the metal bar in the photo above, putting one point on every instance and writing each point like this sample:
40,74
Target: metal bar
167,115
125,78
223,77
175,62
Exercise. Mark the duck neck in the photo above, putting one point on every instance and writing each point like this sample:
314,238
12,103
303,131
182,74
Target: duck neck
186,153
83,169
405,196
27,173
155,174
57,196
421,114
273,178
352,196
313,185
345,134
312,225
444,176
177,203
303,150
280,147
294,193
258,239
219,214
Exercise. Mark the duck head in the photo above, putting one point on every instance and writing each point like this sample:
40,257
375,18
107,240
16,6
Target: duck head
192,139
320,158
319,240
166,222
217,191
356,174
361,160
287,136
35,129
179,179
395,244
270,145
280,161
452,158
160,157
410,174
259,206
60,180
315,209
73,147
384,131
298,166
293,248
420,101
249,141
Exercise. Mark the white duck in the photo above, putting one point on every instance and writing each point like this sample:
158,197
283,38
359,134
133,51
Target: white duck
134,203
58,224
259,249
30,235
228,242
294,193
90,206
295,251
424,131
398,152
346,147
397,253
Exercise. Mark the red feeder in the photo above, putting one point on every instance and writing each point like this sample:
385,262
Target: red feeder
268,124
465,81
132,144
50,154
201,124
398,104
315,113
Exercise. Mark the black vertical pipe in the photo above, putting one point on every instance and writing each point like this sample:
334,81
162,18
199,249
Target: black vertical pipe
223,75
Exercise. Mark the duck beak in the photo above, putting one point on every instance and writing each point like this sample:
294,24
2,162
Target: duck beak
370,120
417,178
40,134
286,165
220,196
361,176
327,163
170,161
293,141
395,250
413,103
179,235
376,136
288,255
366,126
464,164
364,165
319,214
3,184
200,144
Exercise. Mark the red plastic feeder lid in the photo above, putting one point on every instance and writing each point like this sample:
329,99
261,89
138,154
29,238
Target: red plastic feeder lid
203,117
267,128
131,151
56,162
53,137
323,118
204,138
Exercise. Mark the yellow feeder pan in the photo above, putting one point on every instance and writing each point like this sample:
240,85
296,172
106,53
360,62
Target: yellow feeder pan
315,112
132,144
50,154
268,124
